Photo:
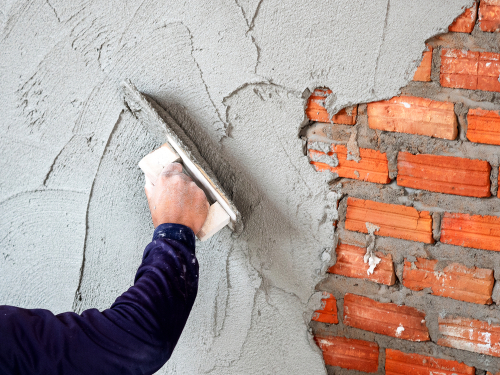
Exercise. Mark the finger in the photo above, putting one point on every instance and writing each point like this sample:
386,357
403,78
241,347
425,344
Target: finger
172,168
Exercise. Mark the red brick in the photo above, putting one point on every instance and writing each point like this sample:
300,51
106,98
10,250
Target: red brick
349,353
489,15
316,110
399,363
478,232
489,373
488,72
471,335
413,115
455,281
372,167
328,311
394,220
444,174
465,22
483,126
423,72
350,263
403,322
470,70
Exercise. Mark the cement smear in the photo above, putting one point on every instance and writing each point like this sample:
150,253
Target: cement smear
74,218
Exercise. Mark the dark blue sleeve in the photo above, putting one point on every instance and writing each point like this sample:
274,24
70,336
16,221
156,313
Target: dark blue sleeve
135,336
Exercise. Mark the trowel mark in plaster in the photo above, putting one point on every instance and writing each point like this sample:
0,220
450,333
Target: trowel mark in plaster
370,257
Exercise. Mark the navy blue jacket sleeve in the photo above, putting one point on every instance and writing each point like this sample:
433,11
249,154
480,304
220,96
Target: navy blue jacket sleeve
135,336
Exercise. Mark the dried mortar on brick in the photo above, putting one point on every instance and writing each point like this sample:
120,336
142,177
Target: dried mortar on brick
74,216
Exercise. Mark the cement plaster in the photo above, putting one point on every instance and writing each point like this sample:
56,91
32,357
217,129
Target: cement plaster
233,73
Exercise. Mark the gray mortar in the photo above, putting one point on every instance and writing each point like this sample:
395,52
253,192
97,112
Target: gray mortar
232,73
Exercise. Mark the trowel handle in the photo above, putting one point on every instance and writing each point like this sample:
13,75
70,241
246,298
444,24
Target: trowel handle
152,165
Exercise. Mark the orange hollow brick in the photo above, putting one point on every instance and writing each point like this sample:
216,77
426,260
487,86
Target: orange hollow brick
444,174
349,353
470,70
372,167
403,322
465,22
316,111
423,72
399,363
483,126
478,232
413,115
394,220
489,15
350,263
470,334
455,281
328,311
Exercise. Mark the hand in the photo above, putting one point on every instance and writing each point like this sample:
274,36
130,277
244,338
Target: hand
176,199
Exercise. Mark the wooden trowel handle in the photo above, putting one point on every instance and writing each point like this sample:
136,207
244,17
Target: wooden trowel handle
152,165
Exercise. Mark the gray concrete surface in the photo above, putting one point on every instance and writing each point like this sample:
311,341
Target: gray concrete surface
74,219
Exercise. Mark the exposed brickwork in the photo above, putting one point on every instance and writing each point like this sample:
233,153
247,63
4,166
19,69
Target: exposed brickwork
455,281
470,70
444,174
394,220
403,322
423,72
372,167
399,363
328,311
316,110
479,232
349,353
471,335
483,126
489,15
350,263
427,190
413,115
465,22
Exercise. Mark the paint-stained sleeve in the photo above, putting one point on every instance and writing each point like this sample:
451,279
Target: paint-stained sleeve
135,336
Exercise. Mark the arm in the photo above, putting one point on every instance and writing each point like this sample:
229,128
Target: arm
139,332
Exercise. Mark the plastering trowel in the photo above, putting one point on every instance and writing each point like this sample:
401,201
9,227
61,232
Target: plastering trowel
179,148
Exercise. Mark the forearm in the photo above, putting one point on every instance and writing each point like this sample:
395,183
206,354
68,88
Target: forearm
135,336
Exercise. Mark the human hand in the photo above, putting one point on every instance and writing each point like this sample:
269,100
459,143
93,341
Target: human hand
176,199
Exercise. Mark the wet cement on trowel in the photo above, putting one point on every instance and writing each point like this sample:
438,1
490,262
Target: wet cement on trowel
232,73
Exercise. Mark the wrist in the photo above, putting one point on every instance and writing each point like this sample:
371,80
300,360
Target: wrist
178,232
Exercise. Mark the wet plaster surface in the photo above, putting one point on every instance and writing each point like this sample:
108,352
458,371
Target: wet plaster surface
74,219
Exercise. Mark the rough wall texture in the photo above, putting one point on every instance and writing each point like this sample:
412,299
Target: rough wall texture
431,302
74,218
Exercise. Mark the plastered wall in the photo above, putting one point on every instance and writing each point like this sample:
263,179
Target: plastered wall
235,74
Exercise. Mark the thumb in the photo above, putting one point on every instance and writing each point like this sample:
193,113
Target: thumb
148,188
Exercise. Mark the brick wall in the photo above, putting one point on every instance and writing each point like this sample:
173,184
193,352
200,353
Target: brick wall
412,286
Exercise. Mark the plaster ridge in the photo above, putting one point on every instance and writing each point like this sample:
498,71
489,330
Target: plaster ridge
118,46
242,12
252,22
77,297
377,62
19,14
55,159
16,195
201,74
217,331
54,10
